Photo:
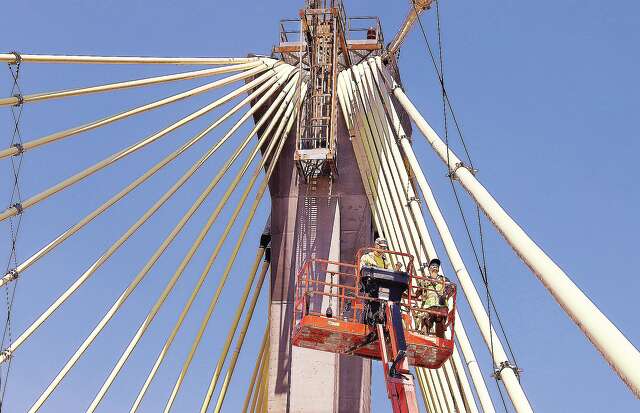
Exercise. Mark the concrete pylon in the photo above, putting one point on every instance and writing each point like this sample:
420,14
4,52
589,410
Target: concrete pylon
306,219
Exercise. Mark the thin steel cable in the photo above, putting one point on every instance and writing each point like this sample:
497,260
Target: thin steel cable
266,79
126,293
482,267
15,222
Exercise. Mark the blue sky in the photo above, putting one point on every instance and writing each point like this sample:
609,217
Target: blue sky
547,98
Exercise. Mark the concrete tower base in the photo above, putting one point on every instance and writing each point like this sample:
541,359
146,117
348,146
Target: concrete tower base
319,220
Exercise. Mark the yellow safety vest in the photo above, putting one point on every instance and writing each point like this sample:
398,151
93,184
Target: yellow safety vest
371,259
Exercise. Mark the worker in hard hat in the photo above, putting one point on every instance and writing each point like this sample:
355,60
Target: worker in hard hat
373,312
378,259
431,296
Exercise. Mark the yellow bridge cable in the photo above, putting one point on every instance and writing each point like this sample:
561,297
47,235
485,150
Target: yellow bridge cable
159,251
201,280
40,58
256,370
179,271
291,106
455,366
396,237
205,272
116,245
186,260
238,348
38,97
260,384
265,81
14,210
384,139
478,381
400,200
253,69
453,369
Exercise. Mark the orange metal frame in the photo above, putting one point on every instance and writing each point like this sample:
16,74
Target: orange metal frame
322,283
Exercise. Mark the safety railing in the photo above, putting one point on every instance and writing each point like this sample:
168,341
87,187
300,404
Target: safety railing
332,289
322,285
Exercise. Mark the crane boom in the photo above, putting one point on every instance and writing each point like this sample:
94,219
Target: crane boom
416,8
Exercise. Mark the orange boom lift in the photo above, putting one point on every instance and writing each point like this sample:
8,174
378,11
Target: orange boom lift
372,312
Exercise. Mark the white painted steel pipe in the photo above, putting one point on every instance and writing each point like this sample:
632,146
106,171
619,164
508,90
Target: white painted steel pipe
264,80
459,370
616,349
38,97
456,259
192,251
124,296
43,58
474,369
291,105
375,146
28,145
12,211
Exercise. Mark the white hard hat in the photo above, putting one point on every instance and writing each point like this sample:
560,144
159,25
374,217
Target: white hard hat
382,242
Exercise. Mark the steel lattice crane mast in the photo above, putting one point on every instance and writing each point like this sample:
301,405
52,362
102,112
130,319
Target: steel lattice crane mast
325,48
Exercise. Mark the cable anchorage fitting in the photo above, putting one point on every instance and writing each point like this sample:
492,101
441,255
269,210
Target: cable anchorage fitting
452,171
413,199
6,354
19,147
20,98
18,58
18,207
11,275
497,372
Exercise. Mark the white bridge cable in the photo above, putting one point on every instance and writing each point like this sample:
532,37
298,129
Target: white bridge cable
40,58
466,397
113,158
490,207
38,97
181,318
176,276
616,349
180,270
239,342
251,70
12,211
431,205
256,370
377,194
264,81
291,106
123,297
379,197
390,162
116,245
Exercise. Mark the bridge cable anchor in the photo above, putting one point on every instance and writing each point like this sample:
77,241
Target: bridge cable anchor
497,372
458,165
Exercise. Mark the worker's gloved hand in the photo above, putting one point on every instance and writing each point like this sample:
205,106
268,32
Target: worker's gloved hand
397,267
